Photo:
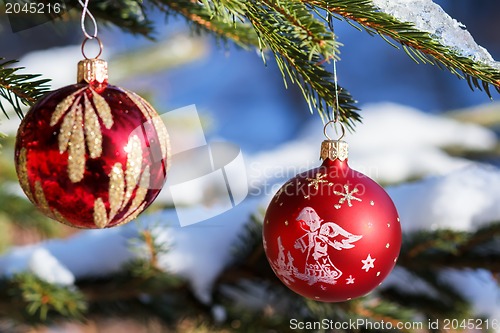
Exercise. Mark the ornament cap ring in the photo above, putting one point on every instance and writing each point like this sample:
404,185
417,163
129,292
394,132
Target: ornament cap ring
101,47
332,123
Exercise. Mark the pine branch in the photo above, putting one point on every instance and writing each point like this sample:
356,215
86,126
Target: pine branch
419,45
454,249
300,41
223,19
33,300
381,310
19,89
289,32
301,44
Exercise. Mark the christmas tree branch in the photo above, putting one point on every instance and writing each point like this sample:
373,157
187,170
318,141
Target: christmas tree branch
300,42
225,22
301,57
34,300
419,45
454,249
19,89
298,33
247,275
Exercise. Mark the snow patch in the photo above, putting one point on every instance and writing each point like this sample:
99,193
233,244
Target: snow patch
37,260
405,281
464,200
201,251
197,253
478,287
48,268
219,314
427,16
394,143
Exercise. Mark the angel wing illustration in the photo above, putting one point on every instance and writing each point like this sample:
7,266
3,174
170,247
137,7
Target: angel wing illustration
317,240
337,237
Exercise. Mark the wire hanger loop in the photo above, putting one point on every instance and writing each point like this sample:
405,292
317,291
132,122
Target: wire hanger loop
332,124
101,47
86,13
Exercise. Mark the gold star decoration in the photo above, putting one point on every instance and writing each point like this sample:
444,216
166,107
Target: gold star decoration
317,180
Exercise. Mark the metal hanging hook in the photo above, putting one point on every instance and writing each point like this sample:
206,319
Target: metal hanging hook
332,123
86,13
101,47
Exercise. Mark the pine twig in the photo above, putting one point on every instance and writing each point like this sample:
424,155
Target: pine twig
296,32
451,248
419,45
225,22
300,62
19,89
35,300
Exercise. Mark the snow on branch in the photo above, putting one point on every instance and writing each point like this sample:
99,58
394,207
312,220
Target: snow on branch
427,16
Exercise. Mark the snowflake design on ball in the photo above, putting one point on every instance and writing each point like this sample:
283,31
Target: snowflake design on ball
347,196
317,180
368,263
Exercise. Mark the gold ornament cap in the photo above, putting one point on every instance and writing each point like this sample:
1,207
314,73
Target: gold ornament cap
92,71
334,149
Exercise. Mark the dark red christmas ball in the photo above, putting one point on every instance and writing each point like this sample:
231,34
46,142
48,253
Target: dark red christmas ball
92,155
332,234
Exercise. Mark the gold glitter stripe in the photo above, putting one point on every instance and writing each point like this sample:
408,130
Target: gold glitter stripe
116,189
146,175
150,113
58,216
66,129
103,109
134,165
163,137
43,205
138,203
93,133
137,100
161,130
63,106
22,173
142,190
131,216
100,218
76,151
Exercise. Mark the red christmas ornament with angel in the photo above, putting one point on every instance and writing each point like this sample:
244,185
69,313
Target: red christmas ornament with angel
332,234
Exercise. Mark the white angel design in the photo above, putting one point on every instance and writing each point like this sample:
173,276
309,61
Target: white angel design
316,242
